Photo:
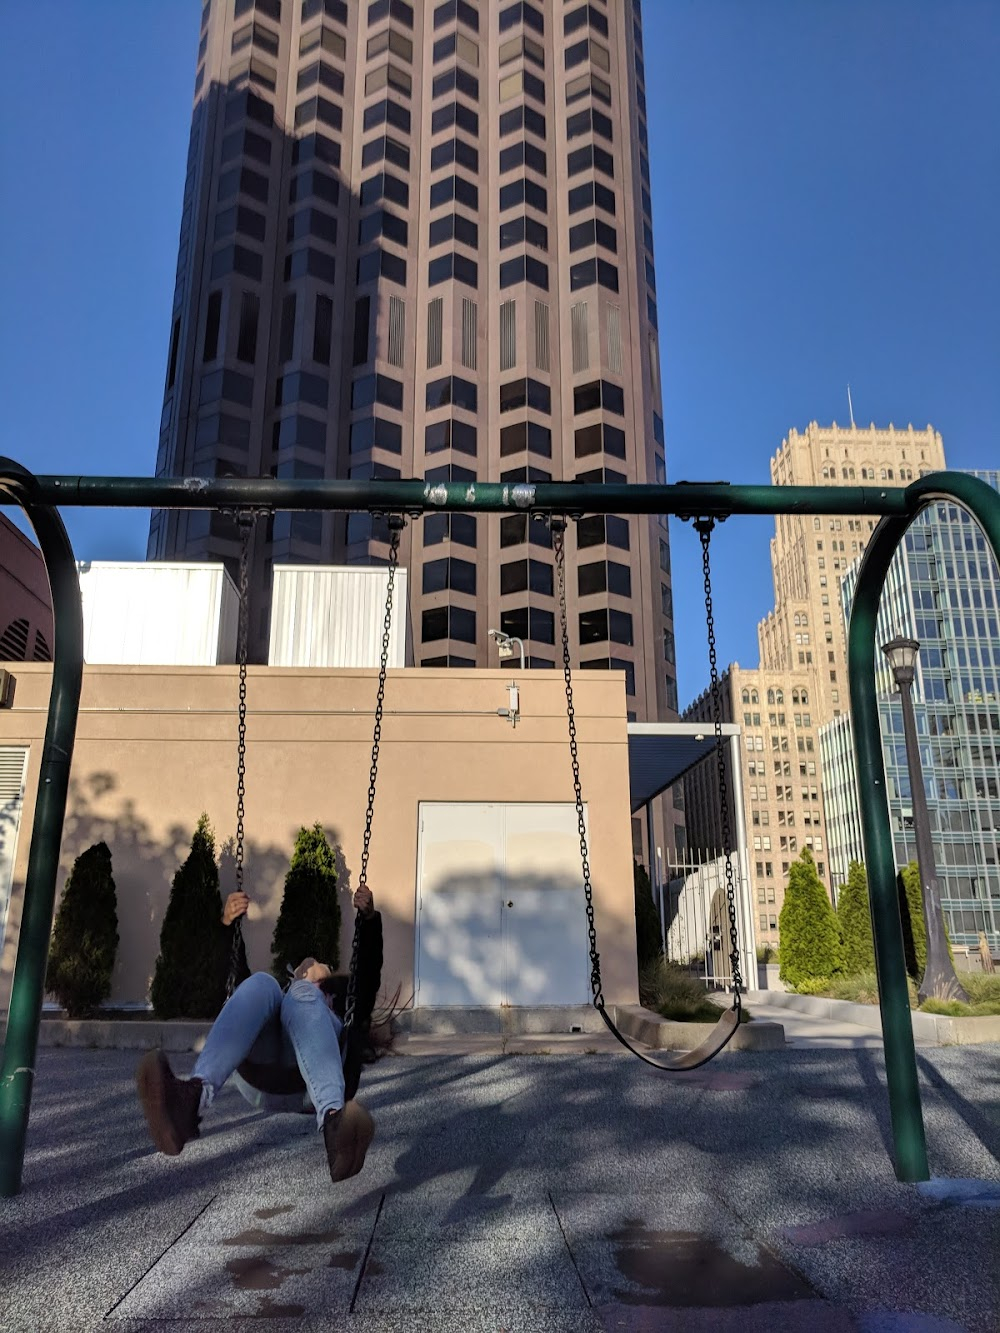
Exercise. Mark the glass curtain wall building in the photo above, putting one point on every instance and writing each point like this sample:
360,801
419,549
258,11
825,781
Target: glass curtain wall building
943,589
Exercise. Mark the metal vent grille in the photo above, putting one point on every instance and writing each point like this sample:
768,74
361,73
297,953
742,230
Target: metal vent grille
470,313
14,642
12,759
435,324
42,653
508,335
614,340
397,330
541,335
580,337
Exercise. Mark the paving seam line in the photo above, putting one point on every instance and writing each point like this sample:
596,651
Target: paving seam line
569,1250
183,1232
776,1254
364,1262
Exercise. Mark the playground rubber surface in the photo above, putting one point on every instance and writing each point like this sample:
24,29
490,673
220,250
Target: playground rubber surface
567,1192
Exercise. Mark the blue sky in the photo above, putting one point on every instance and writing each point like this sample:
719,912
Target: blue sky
826,194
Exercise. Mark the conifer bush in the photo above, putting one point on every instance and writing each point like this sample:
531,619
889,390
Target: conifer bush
810,936
189,980
854,915
85,938
309,920
647,922
911,915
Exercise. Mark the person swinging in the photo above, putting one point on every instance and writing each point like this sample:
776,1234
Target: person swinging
299,1049
282,1048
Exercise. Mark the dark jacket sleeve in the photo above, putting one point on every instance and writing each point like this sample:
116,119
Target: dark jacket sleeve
226,935
369,968
368,982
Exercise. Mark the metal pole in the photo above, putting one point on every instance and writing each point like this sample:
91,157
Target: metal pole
24,1015
653,876
939,979
890,964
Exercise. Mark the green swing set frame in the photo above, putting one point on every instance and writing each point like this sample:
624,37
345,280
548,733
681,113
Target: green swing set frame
40,498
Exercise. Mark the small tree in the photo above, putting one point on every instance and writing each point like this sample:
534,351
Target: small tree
309,919
911,915
810,936
855,917
647,922
189,979
85,939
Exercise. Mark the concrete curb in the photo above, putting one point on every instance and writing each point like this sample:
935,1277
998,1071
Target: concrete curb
635,1022
662,1034
118,1035
938,1029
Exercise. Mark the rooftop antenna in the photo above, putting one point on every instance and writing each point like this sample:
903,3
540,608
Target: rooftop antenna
850,406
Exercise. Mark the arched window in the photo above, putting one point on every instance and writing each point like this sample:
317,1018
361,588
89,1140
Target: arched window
754,697
780,696
805,696
745,697
770,696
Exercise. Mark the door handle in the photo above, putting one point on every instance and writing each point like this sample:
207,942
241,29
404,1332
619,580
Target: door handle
510,902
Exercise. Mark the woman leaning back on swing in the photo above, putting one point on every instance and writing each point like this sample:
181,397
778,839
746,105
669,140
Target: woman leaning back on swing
271,1042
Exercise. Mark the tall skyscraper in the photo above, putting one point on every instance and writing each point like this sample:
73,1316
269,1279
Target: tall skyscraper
801,681
417,242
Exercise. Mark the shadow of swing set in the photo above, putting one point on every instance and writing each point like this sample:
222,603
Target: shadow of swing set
703,503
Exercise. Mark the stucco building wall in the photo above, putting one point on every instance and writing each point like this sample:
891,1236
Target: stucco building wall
157,746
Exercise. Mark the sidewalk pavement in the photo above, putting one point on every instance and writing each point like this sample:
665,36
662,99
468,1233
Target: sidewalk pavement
563,1193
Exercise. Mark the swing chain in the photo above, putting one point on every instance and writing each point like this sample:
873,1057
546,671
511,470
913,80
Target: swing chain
396,523
557,524
704,527
247,521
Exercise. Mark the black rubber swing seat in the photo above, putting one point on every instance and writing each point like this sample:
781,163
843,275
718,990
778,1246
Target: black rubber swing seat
706,1050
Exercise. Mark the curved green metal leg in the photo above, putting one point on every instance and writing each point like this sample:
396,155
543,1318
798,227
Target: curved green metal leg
17,1075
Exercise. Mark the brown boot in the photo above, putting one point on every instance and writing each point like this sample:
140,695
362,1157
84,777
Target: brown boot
347,1134
170,1104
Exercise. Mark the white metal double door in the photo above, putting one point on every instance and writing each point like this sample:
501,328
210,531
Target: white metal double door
501,914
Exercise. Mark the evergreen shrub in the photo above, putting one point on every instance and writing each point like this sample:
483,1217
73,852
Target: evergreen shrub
189,980
647,922
85,938
854,915
911,914
309,920
810,936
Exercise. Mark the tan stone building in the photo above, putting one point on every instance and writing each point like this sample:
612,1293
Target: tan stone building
801,683
416,241
475,858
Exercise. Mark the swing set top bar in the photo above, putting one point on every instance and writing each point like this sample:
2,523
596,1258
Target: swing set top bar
715,499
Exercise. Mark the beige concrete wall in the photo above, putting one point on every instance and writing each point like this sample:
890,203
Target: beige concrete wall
157,745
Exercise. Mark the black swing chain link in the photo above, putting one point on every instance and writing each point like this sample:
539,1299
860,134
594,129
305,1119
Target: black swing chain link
704,528
396,523
247,521
558,528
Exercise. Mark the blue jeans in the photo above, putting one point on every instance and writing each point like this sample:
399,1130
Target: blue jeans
270,1026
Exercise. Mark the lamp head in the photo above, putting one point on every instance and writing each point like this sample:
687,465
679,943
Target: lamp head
902,655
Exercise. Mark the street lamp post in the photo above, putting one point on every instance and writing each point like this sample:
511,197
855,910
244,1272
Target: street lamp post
939,980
